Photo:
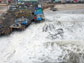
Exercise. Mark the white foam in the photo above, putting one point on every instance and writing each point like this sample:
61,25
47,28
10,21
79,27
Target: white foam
35,44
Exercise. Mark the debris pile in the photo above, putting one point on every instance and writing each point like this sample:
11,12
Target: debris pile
18,17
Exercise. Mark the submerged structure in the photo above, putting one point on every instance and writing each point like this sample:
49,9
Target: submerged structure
21,15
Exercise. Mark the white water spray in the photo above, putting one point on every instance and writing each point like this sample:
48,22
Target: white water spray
46,42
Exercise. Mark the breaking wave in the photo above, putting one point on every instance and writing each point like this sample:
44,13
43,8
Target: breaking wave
52,41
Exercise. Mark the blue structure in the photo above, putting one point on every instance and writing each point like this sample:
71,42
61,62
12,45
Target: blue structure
39,13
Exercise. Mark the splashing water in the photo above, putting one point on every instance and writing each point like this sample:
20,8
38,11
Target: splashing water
54,41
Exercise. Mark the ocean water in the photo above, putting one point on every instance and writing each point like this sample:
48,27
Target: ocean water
57,40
